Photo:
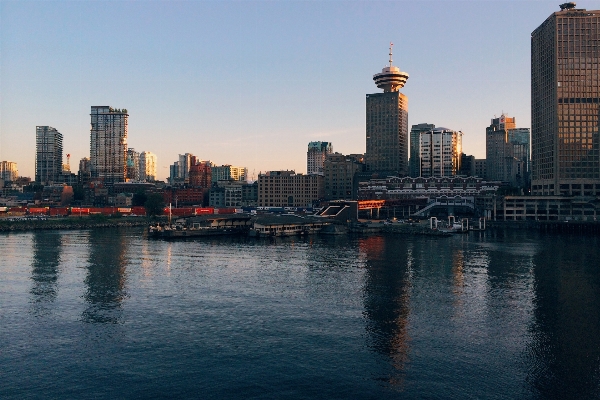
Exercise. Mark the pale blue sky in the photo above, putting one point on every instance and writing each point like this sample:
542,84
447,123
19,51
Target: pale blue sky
250,83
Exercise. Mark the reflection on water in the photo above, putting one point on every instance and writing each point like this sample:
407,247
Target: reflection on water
387,301
496,315
106,276
565,338
44,270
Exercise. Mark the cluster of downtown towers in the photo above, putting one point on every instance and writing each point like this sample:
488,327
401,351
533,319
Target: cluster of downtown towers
565,113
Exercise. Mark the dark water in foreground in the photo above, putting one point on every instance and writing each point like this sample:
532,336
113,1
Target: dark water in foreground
107,314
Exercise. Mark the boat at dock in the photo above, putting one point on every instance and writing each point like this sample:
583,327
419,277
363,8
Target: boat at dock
181,231
199,226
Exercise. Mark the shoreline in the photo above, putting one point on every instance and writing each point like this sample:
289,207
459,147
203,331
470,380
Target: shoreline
71,223
74,223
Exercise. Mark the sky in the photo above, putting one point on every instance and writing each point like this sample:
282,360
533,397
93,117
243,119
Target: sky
250,83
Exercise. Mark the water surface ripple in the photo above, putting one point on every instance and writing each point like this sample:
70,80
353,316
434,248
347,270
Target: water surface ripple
107,314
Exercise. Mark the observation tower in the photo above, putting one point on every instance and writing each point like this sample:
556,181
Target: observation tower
387,124
391,79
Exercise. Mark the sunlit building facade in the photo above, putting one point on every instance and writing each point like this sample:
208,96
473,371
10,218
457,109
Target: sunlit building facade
147,166
440,152
415,147
565,101
8,171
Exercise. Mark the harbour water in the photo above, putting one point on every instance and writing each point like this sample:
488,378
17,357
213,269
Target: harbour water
108,314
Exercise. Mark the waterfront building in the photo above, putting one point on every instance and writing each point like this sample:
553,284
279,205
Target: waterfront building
48,155
387,123
440,152
340,175
8,171
542,208
565,97
108,144
133,165
229,172
315,156
394,188
147,166
415,147
288,189
507,152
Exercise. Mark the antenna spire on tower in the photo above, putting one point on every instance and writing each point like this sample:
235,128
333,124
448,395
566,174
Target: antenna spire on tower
391,79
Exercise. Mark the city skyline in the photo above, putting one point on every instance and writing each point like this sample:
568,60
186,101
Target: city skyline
251,83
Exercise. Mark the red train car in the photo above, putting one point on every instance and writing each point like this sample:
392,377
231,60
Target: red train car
59,212
206,210
38,211
138,210
225,211
79,211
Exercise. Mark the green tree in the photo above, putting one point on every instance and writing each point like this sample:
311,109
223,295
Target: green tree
78,193
154,204
139,199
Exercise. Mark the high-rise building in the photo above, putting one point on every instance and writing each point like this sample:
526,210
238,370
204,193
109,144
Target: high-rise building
565,99
133,165
315,156
8,171
48,155
108,144
147,166
415,143
507,152
440,152
185,161
174,173
387,123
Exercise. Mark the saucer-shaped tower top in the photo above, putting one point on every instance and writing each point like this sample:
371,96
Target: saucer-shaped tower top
391,79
